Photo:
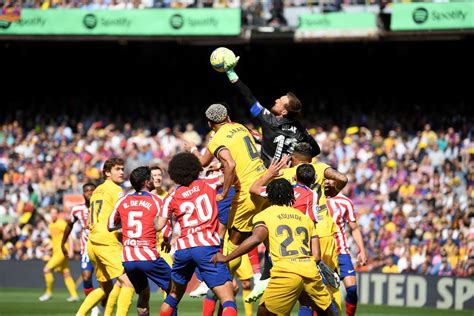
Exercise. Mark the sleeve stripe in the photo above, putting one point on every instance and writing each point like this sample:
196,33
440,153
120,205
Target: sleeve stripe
256,109
218,149
259,223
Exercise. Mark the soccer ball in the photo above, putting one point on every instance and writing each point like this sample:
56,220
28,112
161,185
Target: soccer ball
217,58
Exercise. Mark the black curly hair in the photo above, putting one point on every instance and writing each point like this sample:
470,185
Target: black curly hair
184,168
280,192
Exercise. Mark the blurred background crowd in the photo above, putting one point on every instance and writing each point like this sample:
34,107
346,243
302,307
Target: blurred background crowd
412,182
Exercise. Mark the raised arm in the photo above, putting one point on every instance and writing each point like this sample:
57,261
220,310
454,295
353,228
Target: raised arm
272,172
337,179
204,159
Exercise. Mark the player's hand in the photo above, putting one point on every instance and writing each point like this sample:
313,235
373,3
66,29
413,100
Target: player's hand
277,165
218,257
362,258
230,62
188,146
219,197
166,245
64,250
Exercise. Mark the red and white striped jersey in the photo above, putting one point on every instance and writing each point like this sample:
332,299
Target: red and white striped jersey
306,200
195,209
80,213
136,212
342,211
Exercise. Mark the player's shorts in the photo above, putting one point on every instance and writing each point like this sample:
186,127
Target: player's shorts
285,288
86,264
186,260
224,206
345,265
58,263
328,252
106,260
245,271
139,271
244,207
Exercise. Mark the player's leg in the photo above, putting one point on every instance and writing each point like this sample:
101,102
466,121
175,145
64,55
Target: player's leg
316,297
263,311
329,256
110,257
183,269
282,293
105,284
56,261
86,273
217,277
201,289
49,281
245,273
70,284
348,277
135,272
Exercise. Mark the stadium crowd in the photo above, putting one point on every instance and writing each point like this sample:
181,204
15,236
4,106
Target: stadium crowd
413,191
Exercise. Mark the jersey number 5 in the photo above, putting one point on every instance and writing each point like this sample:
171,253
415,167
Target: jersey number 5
135,224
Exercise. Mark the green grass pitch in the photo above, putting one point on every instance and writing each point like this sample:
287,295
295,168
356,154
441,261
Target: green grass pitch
25,302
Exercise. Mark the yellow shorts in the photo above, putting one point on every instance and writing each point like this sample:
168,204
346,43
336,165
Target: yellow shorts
245,271
58,263
244,207
328,252
106,259
285,288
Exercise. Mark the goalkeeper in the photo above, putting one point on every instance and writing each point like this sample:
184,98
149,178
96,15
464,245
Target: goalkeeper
281,130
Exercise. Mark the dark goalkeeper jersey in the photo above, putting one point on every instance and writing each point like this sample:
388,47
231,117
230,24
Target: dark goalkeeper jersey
279,135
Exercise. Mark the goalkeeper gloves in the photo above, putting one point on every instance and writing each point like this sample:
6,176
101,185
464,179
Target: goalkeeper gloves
229,64
331,276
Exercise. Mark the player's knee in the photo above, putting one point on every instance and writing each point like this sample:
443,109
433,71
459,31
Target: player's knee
66,273
86,275
46,270
351,294
125,281
87,284
246,284
171,301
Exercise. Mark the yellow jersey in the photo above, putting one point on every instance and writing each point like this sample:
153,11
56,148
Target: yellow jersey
325,226
289,239
237,139
56,231
102,204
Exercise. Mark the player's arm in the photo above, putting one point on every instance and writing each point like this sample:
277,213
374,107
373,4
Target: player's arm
114,222
316,248
315,150
272,172
205,159
67,232
228,164
338,182
259,234
164,215
357,235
